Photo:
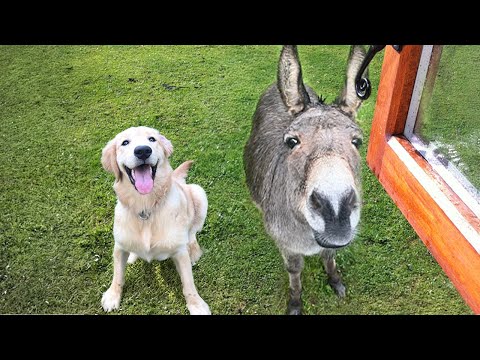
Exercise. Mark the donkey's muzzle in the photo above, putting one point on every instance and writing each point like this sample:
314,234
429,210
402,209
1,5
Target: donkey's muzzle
322,205
338,230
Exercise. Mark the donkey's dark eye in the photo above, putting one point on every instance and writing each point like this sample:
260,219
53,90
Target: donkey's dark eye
125,143
152,139
357,142
292,142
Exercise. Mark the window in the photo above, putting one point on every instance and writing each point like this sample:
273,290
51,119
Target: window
437,195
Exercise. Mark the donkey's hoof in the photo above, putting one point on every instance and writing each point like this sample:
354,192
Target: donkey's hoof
294,311
339,288
294,308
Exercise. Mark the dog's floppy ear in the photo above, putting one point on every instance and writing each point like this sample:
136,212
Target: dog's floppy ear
348,99
109,159
167,145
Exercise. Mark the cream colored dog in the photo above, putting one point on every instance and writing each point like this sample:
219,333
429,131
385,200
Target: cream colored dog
157,214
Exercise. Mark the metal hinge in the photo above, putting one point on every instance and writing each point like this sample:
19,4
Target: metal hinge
363,87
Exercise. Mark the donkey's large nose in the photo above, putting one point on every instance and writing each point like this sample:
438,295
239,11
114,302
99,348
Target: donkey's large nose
323,206
335,212
142,152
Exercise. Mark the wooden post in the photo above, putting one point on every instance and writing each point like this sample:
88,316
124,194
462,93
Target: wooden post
449,229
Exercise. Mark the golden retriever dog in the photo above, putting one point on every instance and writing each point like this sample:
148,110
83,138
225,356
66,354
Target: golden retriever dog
157,214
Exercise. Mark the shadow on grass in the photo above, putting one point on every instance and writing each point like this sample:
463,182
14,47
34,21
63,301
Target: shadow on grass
156,286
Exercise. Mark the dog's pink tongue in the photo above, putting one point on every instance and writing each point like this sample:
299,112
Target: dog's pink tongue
143,179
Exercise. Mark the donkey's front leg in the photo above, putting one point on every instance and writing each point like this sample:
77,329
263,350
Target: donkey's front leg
294,266
334,277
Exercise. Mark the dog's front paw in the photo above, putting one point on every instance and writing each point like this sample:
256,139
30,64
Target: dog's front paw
197,306
111,300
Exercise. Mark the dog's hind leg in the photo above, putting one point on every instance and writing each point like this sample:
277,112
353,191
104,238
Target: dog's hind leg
194,249
195,303
132,258
111,297
200,204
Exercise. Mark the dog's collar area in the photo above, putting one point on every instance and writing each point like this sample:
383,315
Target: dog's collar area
144,214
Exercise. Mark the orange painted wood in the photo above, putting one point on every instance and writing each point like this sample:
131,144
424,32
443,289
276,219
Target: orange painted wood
394,93
462,208
451,250
447,244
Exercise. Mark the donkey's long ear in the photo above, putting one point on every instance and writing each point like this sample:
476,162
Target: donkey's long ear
109,159
290,82
348,99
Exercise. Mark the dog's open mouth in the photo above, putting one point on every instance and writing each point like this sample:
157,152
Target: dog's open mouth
142,177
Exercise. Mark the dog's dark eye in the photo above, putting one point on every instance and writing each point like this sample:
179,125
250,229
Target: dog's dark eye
125,143
292,142
357,142
152,139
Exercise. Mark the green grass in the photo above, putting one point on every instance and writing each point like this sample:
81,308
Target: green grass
451,117
59,105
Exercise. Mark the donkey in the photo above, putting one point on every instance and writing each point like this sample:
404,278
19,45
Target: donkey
302,166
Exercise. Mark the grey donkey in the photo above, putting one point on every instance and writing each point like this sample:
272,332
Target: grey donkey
302,167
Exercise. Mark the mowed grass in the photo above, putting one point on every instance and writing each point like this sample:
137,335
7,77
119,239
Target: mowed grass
59,105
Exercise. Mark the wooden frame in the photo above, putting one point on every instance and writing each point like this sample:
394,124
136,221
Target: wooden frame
449,228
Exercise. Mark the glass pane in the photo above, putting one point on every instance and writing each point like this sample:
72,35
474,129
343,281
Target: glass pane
448,119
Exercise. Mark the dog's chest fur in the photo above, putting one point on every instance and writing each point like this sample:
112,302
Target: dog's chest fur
158,237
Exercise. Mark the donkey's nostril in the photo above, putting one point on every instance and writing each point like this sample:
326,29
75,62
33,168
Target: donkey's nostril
142,152
349,201
322,206
337,213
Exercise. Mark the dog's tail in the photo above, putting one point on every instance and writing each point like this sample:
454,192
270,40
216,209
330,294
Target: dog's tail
180,173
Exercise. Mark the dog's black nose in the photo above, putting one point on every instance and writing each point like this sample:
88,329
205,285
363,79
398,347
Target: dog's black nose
143,152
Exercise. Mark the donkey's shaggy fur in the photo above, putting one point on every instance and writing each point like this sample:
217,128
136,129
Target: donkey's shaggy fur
303,169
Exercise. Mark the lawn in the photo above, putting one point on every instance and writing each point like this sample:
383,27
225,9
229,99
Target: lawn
59,105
